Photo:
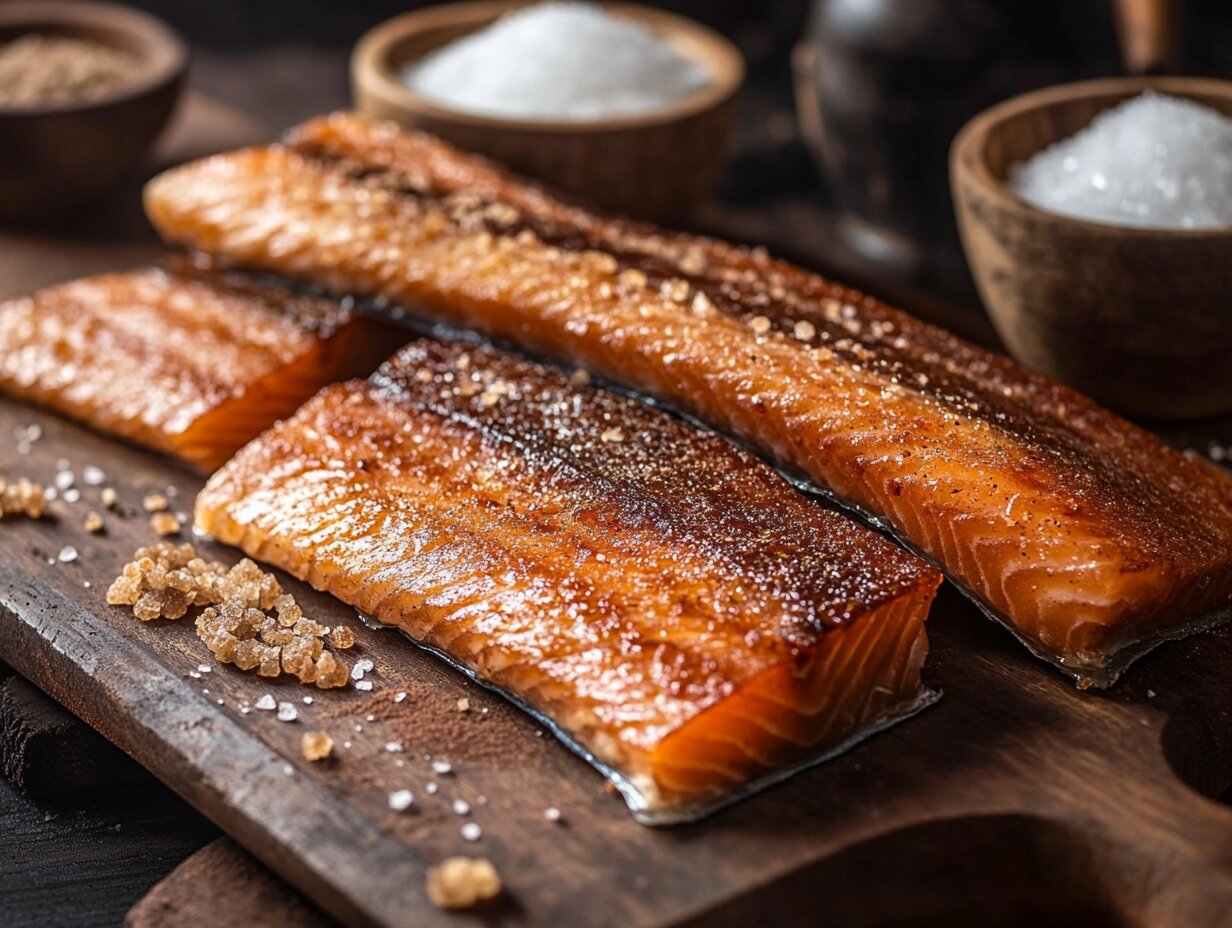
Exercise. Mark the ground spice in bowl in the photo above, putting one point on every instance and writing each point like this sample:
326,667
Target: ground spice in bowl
50,70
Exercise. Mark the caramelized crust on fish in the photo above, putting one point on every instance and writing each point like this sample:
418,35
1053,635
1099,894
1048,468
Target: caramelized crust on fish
665,599
189,362
1084,534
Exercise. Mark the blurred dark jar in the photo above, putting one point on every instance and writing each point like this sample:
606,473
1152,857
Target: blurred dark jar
882,87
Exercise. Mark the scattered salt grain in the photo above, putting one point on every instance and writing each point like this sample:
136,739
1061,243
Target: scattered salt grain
431,788
558,61
287,712
363,685
1155,161
64,479
461,807
68,554
72,495
204,668
266,703
307,700
398,697
362,666
471,832
401,800
442,767
92,476
393,747
552,814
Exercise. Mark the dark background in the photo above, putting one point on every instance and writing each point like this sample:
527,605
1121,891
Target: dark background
86,857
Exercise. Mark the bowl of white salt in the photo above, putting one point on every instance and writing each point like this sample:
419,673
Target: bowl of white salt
624,106
1097,221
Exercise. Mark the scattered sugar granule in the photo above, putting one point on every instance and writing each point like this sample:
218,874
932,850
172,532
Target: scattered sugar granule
552,814
108,497
316,745
164,524
342,638
558,61
93,523
399,696
464,705
21,497
64,479
287,712
462,882
204,668
431,788
400,800
393,747
307,700
92,476
154,502
266,703
442,767
1154,161
470,832
361,667
164,580
72,495
461,807
364,686
67,554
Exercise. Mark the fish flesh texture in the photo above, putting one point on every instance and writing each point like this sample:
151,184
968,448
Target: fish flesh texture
188,361
1084,534
670,604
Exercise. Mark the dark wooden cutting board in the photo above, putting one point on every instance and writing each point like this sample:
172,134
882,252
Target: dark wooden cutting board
1015,801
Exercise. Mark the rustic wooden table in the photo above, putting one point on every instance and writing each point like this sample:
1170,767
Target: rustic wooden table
85,856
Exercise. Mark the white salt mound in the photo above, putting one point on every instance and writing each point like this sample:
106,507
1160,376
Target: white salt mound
1154,161
557,61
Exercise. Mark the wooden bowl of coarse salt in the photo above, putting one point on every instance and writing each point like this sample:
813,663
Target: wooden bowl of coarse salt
624,106
1098,225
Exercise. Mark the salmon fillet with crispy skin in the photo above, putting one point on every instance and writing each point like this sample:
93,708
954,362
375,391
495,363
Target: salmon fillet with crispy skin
187,361
667,601
1081,532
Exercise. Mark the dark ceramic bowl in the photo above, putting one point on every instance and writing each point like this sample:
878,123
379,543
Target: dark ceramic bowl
63,156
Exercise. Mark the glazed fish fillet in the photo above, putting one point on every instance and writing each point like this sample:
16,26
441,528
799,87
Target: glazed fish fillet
1085,535
189,362
671,605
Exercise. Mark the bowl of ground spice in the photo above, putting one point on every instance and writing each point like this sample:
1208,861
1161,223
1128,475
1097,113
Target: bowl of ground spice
85,89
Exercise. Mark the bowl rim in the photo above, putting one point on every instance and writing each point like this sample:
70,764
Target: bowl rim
967,150
164,54
370,69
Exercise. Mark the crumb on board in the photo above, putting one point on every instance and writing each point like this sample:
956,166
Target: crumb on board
22,497
316,745
155,502
462,882
165,524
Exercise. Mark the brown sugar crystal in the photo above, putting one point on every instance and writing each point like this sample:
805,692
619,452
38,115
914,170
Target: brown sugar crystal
462,882
164,523
164,581
21,497
316,745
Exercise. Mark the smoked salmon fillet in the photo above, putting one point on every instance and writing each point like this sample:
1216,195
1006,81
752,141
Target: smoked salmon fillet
187,361
1082,533
672,606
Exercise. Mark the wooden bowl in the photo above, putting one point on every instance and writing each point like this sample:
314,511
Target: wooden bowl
653,166
61,156
1140,319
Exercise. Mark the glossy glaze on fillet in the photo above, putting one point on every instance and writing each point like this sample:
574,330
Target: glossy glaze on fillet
1083,533
187,361
667,601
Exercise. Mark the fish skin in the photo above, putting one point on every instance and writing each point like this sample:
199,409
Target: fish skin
662,595
1080,531
181,358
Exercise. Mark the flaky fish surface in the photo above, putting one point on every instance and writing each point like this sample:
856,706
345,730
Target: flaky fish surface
187,361
1084,534
671,605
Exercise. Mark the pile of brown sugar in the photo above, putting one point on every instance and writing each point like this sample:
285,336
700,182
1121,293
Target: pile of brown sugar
166,580
38,70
